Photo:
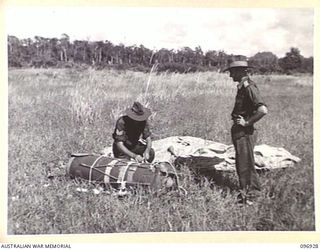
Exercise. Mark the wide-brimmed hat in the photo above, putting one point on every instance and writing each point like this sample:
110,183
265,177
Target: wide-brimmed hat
237,64
138,112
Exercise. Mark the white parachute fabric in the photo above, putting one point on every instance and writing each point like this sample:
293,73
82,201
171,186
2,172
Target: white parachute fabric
168,149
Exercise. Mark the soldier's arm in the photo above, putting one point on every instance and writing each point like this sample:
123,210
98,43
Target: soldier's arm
146,135
261,112
257,101
149,144
125,150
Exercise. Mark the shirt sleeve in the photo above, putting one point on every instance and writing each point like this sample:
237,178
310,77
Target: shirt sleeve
120,132
146,132
255,97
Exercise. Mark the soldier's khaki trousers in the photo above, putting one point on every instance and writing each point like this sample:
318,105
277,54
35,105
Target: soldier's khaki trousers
248,177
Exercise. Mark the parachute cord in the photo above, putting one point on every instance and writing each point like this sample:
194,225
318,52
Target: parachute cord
92,167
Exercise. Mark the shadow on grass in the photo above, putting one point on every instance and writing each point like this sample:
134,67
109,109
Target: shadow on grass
203,168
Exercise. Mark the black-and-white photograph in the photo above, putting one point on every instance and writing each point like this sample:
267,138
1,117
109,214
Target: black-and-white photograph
159,119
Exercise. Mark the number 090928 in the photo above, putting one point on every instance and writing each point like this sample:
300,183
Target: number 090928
309,246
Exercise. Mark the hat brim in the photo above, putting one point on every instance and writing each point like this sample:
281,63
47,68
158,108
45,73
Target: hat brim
245,67
134,116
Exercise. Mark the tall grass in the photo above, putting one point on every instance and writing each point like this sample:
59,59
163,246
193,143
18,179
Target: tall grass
53,113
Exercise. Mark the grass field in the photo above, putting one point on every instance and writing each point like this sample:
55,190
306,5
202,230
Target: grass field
53,113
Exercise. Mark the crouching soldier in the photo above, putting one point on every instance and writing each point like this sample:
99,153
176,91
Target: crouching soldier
129,129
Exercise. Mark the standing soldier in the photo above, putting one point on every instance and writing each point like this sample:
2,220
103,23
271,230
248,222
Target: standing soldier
129,129
248,109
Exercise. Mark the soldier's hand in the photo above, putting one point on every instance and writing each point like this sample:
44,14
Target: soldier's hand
241,121
146,155
138,158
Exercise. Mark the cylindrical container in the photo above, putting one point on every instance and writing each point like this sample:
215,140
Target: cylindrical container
121,172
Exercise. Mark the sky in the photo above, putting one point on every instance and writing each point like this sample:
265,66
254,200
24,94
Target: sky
234,30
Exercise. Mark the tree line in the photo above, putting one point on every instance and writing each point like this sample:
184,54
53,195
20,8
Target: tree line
53,52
